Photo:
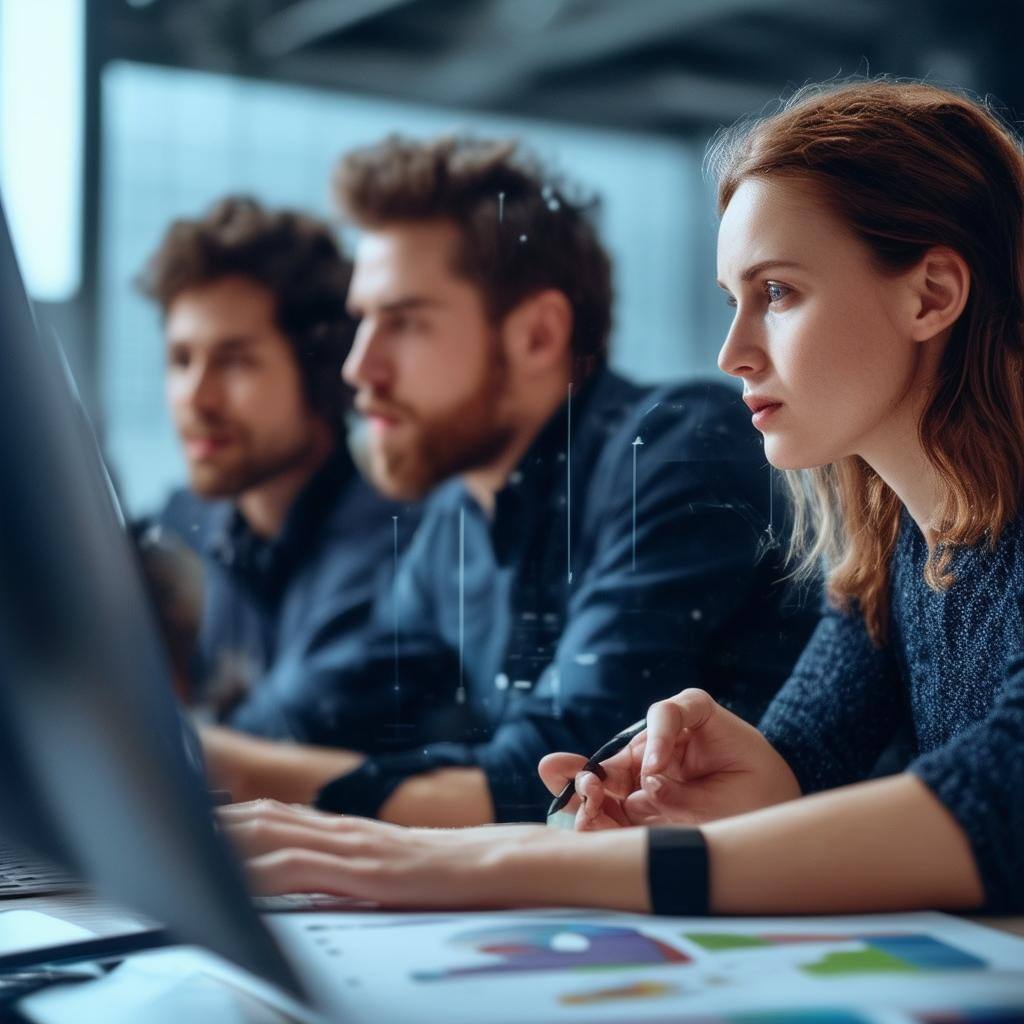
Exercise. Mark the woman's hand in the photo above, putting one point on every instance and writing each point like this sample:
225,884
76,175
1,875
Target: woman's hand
292,849
694,763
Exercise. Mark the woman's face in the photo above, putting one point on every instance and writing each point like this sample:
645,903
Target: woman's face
817,335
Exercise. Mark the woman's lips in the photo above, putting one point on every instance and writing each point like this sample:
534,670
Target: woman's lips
764,413
762,407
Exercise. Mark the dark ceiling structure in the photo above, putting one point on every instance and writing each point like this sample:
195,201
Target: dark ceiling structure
678,67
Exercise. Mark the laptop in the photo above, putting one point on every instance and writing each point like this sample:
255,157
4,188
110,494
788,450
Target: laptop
98,773
23,874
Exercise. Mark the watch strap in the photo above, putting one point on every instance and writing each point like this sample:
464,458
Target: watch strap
360,792
677,871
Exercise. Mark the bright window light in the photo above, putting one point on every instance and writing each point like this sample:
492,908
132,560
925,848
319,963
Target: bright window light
42,56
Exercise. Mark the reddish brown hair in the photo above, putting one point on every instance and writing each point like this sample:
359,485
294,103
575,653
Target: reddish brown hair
908,167
522,228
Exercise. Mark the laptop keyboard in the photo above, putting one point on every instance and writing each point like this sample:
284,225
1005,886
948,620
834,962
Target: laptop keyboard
305,902
21,875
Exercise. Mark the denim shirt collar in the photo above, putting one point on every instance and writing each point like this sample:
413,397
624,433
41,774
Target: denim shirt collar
267,562
541,477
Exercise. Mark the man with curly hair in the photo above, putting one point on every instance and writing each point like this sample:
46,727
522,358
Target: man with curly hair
292,539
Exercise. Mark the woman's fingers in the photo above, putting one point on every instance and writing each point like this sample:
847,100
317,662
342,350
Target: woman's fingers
590,790
669,722
598,808
256,836
296,870
557,769
290,850
621,770
266,808
641,808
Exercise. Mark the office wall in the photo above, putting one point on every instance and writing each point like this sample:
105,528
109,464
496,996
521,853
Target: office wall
173,141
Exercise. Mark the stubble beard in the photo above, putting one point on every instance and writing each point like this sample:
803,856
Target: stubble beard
249,471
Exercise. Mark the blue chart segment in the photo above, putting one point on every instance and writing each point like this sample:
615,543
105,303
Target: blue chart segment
785,1017
997,1015
557,947
907,954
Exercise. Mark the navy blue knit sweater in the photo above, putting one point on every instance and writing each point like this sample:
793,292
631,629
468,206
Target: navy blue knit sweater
953,671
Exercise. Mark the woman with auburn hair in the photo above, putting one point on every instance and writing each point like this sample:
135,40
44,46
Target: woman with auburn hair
871,240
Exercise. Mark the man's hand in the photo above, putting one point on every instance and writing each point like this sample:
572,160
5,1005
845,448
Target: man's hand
694,763
249,767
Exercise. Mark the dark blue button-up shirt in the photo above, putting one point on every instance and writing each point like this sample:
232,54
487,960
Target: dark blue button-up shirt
629,556
279,615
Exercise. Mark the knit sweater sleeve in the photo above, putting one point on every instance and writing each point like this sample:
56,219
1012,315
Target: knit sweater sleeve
979,776
840,707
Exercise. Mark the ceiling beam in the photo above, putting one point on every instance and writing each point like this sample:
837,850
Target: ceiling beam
500,67
304,23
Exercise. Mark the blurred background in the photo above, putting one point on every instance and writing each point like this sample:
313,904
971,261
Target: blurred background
118,115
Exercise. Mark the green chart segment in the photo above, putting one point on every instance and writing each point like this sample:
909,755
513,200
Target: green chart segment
905,954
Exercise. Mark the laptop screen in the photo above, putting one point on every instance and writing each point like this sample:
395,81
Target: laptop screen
93,763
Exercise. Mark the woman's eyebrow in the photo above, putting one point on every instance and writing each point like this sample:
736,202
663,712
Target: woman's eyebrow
760,268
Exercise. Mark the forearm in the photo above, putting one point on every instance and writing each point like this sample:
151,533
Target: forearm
295,773
251,768
445,798
549,867
877,846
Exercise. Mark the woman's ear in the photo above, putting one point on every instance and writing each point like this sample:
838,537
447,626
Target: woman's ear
539,331
941,284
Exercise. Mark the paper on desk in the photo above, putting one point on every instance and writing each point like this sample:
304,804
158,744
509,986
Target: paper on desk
23,930
516,966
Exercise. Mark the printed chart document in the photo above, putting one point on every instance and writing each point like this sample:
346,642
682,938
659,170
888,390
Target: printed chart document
555,966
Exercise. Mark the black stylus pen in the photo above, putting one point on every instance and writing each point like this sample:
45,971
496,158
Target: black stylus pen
613,746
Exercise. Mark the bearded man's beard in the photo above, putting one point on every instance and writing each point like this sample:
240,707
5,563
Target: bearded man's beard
463,438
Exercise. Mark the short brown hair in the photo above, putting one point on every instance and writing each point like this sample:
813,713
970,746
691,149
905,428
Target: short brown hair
909,166
523,229
291,254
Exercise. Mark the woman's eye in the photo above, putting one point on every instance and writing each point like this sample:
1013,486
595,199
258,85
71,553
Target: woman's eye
775,291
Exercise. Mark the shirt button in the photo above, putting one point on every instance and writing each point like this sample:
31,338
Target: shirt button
501,681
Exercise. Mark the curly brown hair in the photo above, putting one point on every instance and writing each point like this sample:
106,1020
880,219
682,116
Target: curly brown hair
523,228
295,257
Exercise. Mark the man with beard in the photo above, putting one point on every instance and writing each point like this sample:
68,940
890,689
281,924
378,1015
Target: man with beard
595,546
291,537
